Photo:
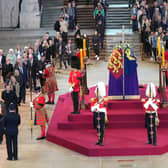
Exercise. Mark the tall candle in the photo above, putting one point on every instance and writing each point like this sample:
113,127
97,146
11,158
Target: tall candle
84,47
81,59
163,57
158,46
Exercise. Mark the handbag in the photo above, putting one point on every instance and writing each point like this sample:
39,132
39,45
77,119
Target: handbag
133,17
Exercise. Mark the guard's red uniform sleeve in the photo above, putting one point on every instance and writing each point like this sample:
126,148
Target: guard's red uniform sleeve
78,54
70,77
93,102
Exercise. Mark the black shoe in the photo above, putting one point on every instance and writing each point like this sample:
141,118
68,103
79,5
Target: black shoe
148,142
15,158
97,143
155,144
48,102
40,138
52,102
101,144
75,112
9,159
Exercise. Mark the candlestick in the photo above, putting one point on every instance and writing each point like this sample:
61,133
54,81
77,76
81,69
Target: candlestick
158,46
81,59
84,47
163,57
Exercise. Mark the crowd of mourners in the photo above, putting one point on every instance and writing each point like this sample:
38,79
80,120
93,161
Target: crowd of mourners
68,22
150,19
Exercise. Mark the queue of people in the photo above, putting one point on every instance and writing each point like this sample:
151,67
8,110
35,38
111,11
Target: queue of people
151,21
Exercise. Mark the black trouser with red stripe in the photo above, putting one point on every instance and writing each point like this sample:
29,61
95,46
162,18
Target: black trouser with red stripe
75,99
151,127
98,121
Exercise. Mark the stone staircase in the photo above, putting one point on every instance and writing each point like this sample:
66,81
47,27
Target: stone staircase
85,17
51,11
118,15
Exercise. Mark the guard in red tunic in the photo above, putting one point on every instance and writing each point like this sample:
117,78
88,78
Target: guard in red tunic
74,82
99,109
151,106
50,85
41,117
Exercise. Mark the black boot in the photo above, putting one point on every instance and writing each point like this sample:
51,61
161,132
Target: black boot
97,143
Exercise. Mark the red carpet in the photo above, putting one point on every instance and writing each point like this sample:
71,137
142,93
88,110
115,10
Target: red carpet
125,133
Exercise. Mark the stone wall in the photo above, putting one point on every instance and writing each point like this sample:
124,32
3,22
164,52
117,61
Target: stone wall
9,12
30,15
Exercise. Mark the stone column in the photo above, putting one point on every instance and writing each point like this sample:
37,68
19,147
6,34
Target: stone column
0,13
9,13
30,15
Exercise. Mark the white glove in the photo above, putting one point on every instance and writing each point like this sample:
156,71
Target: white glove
31,104
94,108
71,89
40,72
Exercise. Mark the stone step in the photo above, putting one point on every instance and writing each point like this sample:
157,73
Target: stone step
117,1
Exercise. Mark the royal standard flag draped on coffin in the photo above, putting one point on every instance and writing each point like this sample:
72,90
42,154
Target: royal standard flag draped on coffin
116,77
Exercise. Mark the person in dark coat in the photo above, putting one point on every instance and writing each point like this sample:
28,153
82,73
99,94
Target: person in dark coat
57,25
2,113
24,75
78,39
1,127
2,61
100,30
95,41
11,123
42,64
61,53
9,96
50,52
32,69
7,68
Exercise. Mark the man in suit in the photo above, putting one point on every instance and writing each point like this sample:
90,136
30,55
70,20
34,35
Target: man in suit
11,123
95,41
61,52
32,68
23,73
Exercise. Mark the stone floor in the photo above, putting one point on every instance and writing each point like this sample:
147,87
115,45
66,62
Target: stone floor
42,154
